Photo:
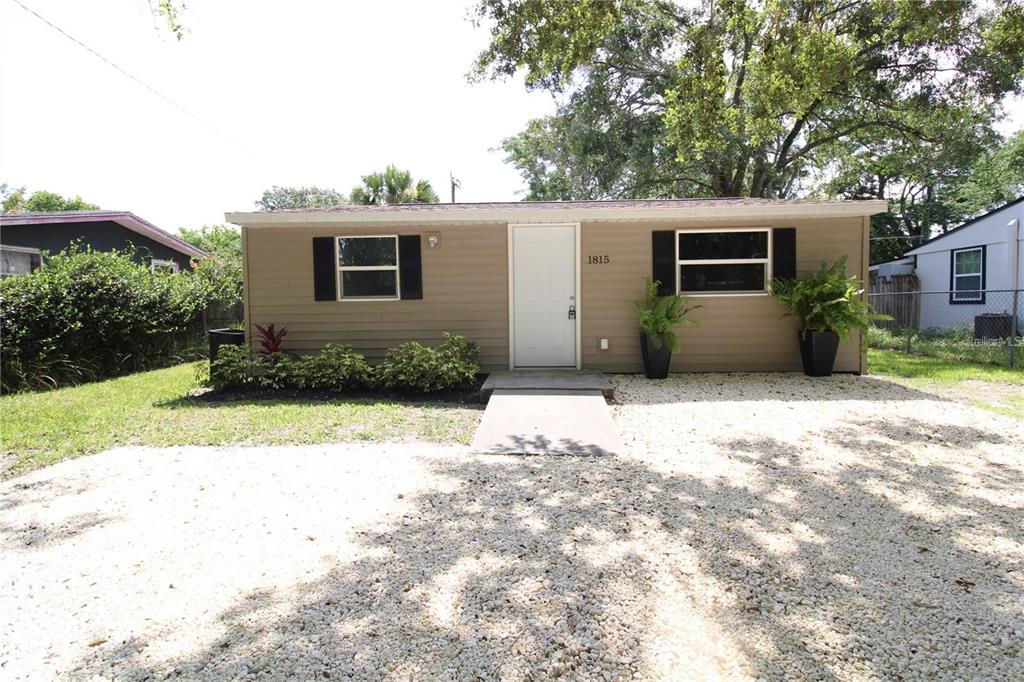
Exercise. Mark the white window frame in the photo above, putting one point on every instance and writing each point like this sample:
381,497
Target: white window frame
355,268
21,249
726,261
155,263
973,295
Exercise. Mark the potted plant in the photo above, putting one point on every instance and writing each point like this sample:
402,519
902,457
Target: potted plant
659,317
827,306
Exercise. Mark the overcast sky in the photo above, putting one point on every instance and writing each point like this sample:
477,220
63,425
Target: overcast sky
296,93
299,93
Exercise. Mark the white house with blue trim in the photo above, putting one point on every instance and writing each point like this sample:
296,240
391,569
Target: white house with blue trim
978,264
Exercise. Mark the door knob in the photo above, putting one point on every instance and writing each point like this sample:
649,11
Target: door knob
572,312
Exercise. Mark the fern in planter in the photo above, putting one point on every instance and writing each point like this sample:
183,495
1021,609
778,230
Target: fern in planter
828,300
660,315
827,305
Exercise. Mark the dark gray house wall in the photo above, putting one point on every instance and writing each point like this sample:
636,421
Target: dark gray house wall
102,235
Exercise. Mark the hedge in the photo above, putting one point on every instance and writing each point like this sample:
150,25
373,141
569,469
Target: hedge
87,315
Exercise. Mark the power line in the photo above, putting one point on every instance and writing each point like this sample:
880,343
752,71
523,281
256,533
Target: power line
138,80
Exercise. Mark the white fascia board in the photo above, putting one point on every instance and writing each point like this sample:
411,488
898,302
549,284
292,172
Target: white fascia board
578,215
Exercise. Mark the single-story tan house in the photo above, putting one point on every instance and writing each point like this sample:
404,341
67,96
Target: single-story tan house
548,284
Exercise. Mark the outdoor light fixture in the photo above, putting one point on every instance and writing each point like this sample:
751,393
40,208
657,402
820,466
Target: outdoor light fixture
433,240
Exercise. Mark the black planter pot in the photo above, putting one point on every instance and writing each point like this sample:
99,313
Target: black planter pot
656,360
818,352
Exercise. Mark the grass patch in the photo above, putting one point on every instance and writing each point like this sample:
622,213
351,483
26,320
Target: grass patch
153,408
949,344
990,387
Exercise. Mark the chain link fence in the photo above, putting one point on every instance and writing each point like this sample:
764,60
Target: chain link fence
974,326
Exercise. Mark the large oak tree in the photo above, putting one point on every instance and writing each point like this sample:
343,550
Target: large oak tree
743,98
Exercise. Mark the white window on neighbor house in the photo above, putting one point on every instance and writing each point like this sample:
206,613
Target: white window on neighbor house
19,260
159,264
734,261
368,267
967,280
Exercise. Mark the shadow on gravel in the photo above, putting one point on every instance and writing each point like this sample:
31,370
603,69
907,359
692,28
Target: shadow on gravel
36,536
782,386
17,493
541,445
559,565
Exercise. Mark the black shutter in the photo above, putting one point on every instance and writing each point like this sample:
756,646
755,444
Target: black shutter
784,253
663,261
410,266
325,270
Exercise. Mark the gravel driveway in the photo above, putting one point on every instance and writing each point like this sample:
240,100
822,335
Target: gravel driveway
762,526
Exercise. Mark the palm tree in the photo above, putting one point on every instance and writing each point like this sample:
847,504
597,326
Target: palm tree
393,187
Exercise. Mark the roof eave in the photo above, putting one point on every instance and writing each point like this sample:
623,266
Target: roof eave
589,214
125,219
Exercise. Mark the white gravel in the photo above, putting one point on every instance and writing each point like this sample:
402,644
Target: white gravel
763,526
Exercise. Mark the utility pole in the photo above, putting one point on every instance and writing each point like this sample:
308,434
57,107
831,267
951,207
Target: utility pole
456,184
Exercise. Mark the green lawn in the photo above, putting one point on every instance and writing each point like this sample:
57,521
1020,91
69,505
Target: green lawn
153,408
994,388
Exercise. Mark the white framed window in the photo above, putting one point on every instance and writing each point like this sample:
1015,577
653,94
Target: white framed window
19,260
161,264
368,267
724,261
967,275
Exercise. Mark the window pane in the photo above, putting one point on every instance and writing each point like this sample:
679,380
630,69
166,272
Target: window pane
367,251
18,262
732,277
722,245
366,283
968,283
968,262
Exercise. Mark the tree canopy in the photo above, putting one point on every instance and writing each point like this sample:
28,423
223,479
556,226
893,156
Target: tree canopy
392,186
17,200
223,240
170,14
776,98
280,198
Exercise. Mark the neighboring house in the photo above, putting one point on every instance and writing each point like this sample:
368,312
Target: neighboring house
971,270
23,236
548,284
892,268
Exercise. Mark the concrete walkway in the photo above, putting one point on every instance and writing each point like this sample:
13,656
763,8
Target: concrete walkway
545,414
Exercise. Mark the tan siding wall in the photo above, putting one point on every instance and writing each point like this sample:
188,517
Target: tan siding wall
465,290
735,332
465,285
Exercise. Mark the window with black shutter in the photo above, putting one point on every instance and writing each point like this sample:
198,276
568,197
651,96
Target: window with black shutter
364,267
730,261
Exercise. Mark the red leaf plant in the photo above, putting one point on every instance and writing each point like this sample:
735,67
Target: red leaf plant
272,340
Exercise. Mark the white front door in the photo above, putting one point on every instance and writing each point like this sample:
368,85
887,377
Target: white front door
544,296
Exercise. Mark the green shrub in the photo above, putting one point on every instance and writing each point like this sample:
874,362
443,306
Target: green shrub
335,368
222,271
279,371
233,368
879,337
87,315
408,367
415,367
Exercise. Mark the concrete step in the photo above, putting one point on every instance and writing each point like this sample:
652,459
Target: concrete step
547,380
